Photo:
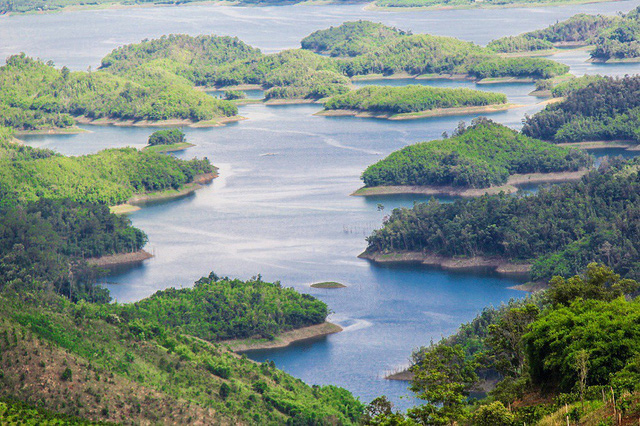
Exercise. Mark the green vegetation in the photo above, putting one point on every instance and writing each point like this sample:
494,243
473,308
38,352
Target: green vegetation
167,137
604,109
412,98
621,40
479,156
351,38
128,370
560,229
562,86
109,177
469,3
580,29
35,95
221,309
232,95
16,412
566,355
328,284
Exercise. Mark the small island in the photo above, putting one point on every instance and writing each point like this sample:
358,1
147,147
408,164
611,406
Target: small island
328,284
169,140
484,157
412,102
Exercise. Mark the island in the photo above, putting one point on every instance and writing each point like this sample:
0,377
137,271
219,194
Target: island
168,140
328,284
484,157
412,102
595,109
555,231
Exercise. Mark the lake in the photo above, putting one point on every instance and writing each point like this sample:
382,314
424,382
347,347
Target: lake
281,206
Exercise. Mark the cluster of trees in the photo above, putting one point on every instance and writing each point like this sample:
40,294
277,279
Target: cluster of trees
412,98
571,344
109,177
604,109
22,6
621,40
579,29
563,88
167,137
478,156
351,38
35,95
456,3
222,308
560,229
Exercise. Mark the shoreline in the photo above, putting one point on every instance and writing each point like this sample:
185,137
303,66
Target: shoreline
120,259
168,148
215,122
510,186
499,265
374,8
134,202
74,130
436,112
284,339
624,144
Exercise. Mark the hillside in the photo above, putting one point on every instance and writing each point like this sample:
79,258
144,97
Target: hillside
551,357
479,156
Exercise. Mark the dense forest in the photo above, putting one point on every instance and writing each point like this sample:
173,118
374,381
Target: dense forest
605,109
568,355
167,137
621,40
412,98
221,308
580,29
35,95
477,156
560,229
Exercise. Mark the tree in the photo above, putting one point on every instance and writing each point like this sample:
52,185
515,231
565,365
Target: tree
582,368
494,414
443,379
505,340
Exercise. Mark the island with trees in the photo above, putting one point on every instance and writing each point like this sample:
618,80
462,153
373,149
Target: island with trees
599,109
37,96
168,140
412,102
485,157
556,231
610,38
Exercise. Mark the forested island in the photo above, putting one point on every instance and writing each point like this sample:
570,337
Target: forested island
613,38
303,75
167,140
556,231
413,101
595,109
37,96
568,355
483,155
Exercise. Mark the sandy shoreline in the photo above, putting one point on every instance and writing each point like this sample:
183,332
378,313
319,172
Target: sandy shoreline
500,265
511,186
66,131
120,259
478,5
133,203
168,148
284,339
215,122
437,112
628,145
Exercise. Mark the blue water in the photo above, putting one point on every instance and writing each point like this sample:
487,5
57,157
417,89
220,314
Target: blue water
281,206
